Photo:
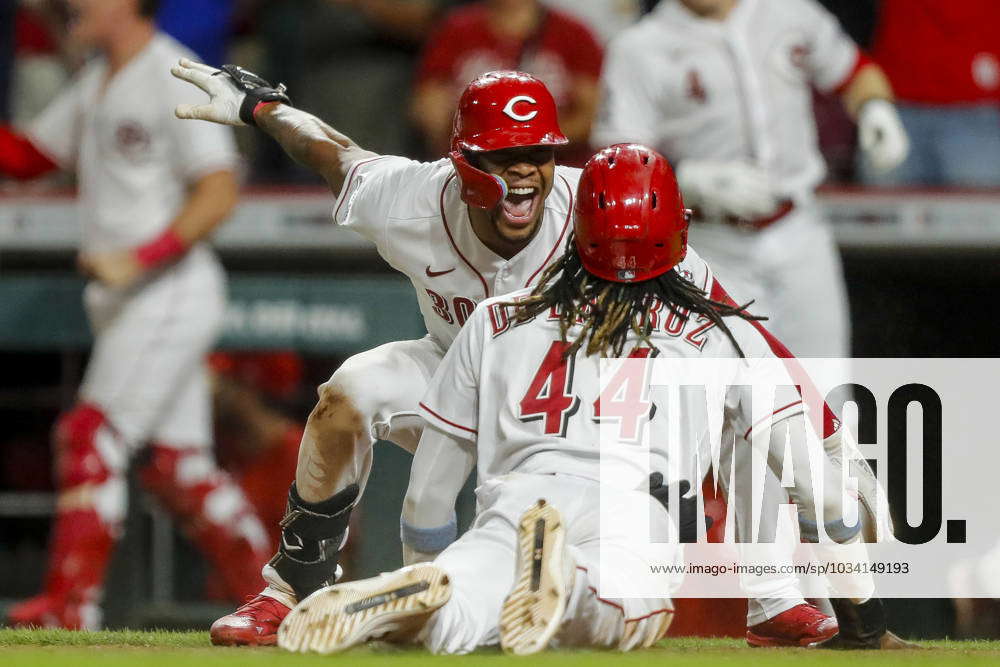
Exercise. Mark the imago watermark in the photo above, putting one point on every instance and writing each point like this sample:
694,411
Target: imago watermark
824,477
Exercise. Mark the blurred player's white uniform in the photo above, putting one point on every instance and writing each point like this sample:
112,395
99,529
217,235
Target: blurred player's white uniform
413,213
739,90
134,160
146,382
530,413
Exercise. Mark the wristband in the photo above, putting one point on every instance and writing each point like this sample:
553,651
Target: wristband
166,247
428,540
837,530
257,107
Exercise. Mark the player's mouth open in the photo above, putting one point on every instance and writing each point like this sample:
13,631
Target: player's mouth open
520,204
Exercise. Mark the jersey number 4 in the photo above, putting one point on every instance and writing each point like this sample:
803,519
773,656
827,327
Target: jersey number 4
625,399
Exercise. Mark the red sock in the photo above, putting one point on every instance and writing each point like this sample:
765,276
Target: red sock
214,513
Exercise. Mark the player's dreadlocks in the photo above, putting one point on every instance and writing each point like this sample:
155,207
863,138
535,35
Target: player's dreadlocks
607,312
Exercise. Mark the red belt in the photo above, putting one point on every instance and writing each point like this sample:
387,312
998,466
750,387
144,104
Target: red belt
785,207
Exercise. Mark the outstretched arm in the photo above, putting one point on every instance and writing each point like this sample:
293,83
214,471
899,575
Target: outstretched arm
440,467
239,97
310,142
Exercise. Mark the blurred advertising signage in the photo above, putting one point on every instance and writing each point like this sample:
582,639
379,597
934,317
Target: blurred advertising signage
316,314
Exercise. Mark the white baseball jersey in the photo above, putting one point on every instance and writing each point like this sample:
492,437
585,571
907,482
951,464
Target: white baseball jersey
133,158
134,162
507,387
413,212
737,89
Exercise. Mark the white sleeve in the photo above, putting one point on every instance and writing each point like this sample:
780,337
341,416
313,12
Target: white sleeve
832,53
451,403
370,190
775,398
57,130
440,467
197,147
628,109
696,270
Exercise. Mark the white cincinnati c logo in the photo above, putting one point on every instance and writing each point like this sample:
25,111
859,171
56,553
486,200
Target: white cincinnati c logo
509,109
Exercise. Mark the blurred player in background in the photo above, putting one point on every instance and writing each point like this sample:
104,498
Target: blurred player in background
487,221
943,59
722,88
536,430
152,188
520,35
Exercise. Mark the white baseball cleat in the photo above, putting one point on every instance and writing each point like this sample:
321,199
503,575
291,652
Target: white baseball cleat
392,607
534,609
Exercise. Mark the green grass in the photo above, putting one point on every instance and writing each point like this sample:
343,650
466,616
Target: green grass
186,649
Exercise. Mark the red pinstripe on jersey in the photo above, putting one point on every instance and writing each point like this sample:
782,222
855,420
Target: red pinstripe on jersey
746,435
447,421
664,610
562,234
350,181
444,220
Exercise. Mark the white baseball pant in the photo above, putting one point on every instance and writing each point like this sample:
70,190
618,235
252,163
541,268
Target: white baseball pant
482,563
147,370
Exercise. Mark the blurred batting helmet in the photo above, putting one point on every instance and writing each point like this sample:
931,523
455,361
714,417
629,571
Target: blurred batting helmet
500,110
630,222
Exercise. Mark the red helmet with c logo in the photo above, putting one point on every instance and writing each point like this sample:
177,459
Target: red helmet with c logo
630,222
500,110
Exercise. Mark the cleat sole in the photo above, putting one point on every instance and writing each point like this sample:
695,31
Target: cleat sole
392,607
533,611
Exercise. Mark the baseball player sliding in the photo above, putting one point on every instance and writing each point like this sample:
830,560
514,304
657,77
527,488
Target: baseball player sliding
722,88
151,188
488,220
520,392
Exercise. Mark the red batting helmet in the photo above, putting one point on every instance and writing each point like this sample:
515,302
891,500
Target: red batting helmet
630,222
500,110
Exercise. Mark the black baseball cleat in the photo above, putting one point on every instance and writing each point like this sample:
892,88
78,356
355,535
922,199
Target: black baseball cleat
862,628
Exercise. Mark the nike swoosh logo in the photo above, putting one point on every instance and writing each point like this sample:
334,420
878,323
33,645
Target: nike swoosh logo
435,274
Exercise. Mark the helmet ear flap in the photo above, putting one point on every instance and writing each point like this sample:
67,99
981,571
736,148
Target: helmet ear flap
479,188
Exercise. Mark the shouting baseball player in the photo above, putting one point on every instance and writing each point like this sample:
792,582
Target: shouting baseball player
488,220
722,88
151,189
520,391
